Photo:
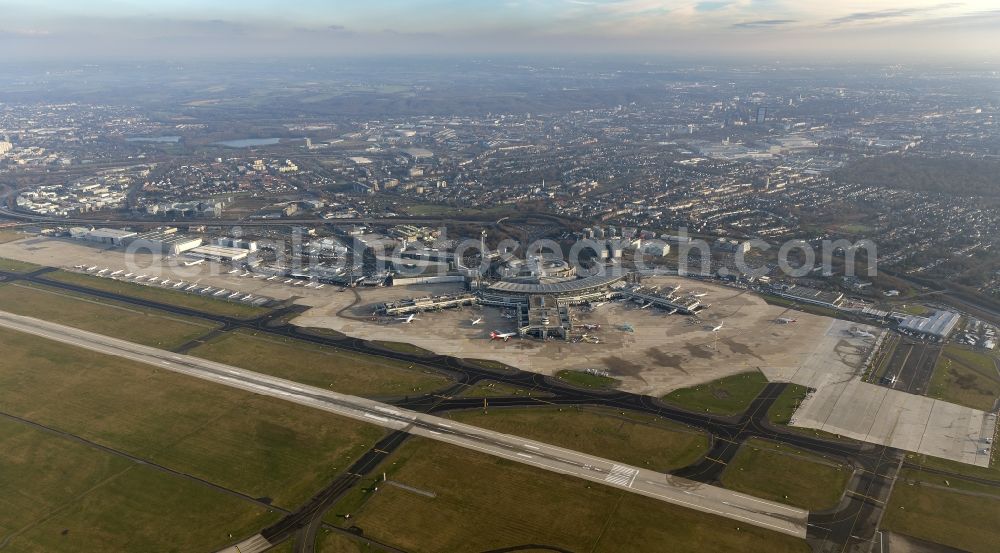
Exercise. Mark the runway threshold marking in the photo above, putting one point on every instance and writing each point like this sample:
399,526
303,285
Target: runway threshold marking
622,476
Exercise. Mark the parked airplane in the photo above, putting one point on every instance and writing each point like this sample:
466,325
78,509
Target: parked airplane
591,326
193,263
785,320
700,294
858,333
718,328
477,321
502,335
672,311
408,319
647,305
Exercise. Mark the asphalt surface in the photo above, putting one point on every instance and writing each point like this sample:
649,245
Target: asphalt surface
672,489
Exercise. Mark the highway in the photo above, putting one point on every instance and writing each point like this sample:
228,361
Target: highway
671,489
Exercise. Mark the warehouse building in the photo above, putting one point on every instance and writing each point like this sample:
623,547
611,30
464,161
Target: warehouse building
938,325
116,237
166,241
220,254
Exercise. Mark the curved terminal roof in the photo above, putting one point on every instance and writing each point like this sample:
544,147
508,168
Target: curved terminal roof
576,285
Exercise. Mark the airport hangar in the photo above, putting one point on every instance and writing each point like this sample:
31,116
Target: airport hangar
542,304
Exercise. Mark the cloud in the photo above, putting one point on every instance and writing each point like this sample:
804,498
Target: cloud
883,15
763,23
24,33
712,6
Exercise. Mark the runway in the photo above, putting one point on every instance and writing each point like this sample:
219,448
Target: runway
671,489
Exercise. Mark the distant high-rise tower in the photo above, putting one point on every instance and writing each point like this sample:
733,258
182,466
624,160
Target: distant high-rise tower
761,114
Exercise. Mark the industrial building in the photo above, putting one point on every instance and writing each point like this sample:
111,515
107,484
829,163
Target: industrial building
221,254
938,325
116,237
166,241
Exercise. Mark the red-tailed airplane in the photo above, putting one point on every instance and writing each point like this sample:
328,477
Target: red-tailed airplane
502,335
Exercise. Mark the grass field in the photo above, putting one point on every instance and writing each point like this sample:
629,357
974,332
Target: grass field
788,401
963,515
587,380
779,472
991,472
328,541
401,347
485,503
260,446
632,438
64,496
161,295
966,377
326,367
136,324
10,236
727,396
489,388
60,495
489,364
15,266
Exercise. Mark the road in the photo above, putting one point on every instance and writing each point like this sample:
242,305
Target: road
671,489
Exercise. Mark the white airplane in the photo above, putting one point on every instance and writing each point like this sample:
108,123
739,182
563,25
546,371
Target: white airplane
129,275
79,266
892,381
272,277
116,273
233,295
700,294
718,328
234,271
647,305
477,321
408,319
165,282
91,269
193,263
785,320
102,271
672,311
858,333
179,284
320,286
289,281
502,335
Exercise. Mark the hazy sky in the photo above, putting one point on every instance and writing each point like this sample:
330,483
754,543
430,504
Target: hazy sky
879,30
